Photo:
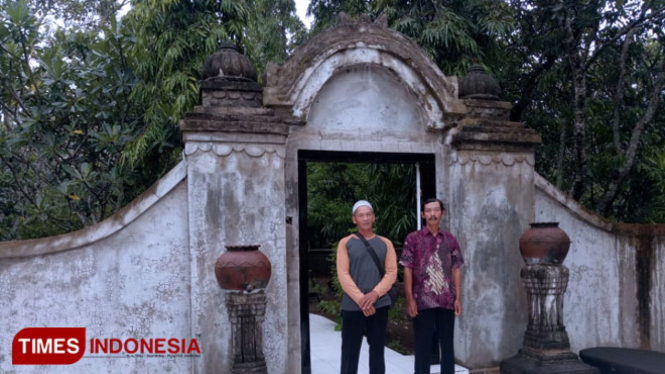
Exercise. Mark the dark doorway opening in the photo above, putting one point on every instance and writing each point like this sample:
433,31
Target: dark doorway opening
426,166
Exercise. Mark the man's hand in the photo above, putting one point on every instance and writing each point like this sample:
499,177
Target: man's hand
411,307
369,311
368,300
458,306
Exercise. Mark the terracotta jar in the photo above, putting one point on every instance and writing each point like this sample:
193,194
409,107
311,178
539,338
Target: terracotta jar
243,268
544,243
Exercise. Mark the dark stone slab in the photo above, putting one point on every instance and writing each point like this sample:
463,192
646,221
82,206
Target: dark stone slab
529,361
624,360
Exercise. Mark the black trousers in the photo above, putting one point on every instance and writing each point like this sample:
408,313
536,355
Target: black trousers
354,325
423,326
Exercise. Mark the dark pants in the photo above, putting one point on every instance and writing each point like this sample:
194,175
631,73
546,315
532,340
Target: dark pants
424,325
354,325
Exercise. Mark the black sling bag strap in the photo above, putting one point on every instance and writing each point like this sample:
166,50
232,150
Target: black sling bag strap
370,249
393,293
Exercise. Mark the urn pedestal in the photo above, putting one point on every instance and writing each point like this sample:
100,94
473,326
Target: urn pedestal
243,272
546,348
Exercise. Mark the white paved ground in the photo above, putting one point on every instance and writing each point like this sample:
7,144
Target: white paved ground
326,344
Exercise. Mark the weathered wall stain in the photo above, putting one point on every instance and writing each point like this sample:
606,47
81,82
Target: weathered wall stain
644,273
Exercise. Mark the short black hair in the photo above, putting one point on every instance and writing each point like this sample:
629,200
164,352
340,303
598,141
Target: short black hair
431,200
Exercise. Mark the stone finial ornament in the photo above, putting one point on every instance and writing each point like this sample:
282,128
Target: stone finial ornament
345,19
477,84
228,79
382,20
228,62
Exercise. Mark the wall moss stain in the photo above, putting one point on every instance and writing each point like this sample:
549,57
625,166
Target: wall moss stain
644,273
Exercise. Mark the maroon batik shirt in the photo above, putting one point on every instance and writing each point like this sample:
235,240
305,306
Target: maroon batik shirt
432,258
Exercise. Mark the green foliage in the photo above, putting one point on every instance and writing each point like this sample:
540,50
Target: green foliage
278,19
325,11
653,168
331,190
397,311
172,40
396,345
392,191
453,33
333,307
89,111
537,76
65,119
334,187
81,14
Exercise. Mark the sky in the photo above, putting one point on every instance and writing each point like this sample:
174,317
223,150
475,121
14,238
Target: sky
301,9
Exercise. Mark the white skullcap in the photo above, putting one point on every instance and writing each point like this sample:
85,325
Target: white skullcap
360,203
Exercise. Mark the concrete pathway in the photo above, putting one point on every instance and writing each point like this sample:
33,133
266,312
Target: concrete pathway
326,346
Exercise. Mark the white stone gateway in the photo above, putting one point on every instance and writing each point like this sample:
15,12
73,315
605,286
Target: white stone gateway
356,91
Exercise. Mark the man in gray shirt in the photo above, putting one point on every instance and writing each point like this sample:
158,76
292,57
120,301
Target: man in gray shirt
365,302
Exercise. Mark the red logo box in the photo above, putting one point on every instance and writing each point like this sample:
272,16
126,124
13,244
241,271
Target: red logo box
48,346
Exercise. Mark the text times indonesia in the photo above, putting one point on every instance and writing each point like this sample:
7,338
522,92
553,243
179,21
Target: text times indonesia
67,345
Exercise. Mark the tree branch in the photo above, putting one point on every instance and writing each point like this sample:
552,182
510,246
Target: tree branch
562,150
26,56
18,100
8,114
619,89
654,101
636,24
9,52
579,99
18,184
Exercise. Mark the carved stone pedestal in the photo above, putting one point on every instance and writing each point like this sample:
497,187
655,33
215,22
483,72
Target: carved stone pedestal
247,312
546,347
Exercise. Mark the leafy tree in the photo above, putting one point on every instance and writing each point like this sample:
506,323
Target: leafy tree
588,32
89,111
325,12
453,33
172,40
278,20
88,14
66,119
331,192
590,74
653,169
334,187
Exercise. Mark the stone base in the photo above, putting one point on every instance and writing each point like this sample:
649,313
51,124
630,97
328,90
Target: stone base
258,367
545,362
544,340
624,360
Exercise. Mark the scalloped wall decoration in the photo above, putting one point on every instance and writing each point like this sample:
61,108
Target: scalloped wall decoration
507,160
224,150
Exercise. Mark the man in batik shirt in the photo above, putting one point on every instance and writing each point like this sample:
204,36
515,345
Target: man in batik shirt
432,284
